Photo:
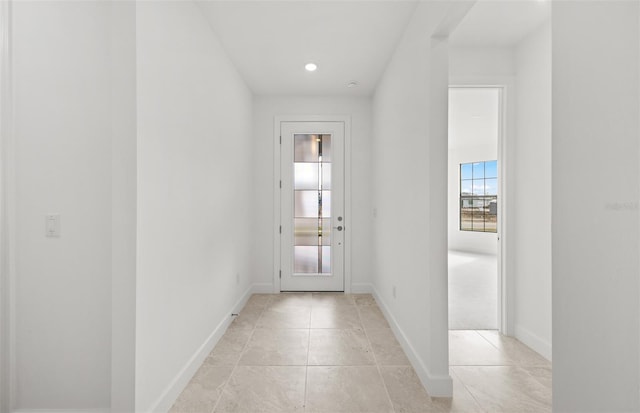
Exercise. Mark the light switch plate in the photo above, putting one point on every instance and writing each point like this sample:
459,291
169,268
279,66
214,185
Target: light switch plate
52,225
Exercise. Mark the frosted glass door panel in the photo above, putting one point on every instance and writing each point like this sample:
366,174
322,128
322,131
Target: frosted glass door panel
312,203
305,259
307,148
306,175
326,176
306,231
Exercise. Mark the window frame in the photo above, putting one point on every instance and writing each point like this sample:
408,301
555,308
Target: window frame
472,198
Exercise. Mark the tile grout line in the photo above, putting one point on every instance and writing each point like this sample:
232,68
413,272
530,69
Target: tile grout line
503,353
375,359
473,365
514,360
470,393
306,367
235,366
493,345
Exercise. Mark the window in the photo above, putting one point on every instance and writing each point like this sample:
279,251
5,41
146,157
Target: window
479,196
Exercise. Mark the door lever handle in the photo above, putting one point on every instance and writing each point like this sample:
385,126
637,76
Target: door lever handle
339,227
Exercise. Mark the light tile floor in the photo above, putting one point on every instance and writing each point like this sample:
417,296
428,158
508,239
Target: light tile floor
333,353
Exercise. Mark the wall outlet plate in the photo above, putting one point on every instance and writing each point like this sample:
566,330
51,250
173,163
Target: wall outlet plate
52,225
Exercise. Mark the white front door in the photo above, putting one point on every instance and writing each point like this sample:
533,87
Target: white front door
312,206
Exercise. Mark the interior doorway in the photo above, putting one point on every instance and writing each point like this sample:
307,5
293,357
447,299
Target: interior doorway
475,207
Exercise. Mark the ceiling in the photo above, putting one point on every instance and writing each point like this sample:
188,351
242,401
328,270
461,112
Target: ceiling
271,41
500,22
350,40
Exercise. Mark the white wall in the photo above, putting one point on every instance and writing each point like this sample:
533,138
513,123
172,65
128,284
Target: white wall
472,63
61,69
194,195
123,204
532,207
6,225
410,196
595,180
265,108
474,125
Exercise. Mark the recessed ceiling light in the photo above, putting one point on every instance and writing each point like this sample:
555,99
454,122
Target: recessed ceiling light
353,83
311,67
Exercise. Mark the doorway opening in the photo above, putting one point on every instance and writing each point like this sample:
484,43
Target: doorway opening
475,207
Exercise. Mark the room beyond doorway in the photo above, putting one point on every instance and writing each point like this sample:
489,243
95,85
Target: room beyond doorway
475,124
473,287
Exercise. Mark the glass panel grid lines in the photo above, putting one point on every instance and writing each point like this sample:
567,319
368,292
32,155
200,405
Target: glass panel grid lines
312,204
479,196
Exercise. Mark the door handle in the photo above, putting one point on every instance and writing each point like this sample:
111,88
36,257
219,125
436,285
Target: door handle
339,227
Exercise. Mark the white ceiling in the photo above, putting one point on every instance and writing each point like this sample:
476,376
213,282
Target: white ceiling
350,40
500,22
270,42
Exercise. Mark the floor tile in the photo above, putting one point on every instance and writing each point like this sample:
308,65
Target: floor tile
335,317
386,348
406,391
285,347
514,349
505,388
339,348
285,317
202,392
283,300
468,348
372,317
331,299
247,319
264,389
542,375
461,402
276,347
364,299
258,300
229,348
346,389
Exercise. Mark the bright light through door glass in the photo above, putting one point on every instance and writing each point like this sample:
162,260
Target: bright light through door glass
312,204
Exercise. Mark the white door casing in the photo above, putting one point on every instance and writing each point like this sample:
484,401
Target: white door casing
312,219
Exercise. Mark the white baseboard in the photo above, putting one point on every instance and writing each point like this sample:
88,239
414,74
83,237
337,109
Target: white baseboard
177,385
436,385
533,341
361,288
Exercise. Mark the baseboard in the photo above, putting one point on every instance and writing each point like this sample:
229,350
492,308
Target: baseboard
533,341
361,288
436,385
177,385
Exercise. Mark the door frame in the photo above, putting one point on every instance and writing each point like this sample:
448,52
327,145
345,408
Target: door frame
505,291
346,119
